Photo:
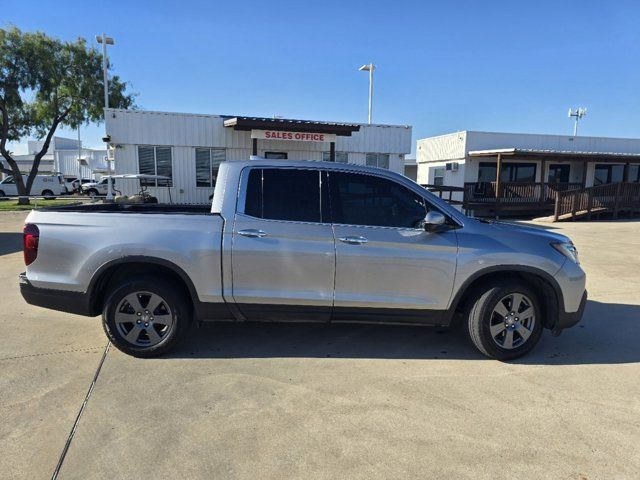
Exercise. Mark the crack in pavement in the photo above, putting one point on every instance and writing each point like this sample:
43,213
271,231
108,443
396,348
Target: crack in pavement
67,444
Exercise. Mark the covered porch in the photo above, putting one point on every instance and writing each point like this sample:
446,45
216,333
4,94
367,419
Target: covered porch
518,181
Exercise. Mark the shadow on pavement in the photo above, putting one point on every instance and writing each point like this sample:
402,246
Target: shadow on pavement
10,242
608,334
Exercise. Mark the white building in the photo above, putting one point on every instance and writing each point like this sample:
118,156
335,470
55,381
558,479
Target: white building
188,147
513,173
62,157
470,157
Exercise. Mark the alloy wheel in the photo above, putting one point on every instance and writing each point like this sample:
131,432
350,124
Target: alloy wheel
512,321
143,319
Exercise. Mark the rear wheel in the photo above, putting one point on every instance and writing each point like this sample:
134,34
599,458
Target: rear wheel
146,317
504,320
2,193
48,194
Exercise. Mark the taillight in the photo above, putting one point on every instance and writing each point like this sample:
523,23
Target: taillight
30,236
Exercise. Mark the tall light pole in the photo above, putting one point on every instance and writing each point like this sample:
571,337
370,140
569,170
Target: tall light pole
104,40
578,114
369,68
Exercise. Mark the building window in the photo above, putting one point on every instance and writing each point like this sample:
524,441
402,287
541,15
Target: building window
559,173
438,176
341,157
608,174
155,161
380,160
276,155
510,172
208,162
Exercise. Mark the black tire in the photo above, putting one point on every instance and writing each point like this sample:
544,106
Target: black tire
2,193
92,192
481,318
48,194
175,302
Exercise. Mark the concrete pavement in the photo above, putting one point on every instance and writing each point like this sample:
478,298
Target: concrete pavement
311,401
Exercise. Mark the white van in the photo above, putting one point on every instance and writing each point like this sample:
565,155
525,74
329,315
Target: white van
45,185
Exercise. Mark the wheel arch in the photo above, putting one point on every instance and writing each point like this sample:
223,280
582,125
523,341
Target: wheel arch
111,272
542,283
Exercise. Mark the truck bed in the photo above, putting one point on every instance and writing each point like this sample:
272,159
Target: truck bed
162,208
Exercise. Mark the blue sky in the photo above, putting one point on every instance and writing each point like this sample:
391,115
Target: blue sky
442,66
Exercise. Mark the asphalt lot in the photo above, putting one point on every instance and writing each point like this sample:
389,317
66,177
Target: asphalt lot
300,401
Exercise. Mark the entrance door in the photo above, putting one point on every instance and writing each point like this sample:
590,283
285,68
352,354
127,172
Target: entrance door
283,255
386,263
559,173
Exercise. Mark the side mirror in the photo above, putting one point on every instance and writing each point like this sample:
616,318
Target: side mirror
433,220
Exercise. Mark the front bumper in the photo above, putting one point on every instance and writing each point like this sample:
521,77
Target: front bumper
62,300
569,319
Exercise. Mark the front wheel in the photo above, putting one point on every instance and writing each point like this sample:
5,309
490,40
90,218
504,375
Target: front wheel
48,194
146,317
2,193
504,320
92,192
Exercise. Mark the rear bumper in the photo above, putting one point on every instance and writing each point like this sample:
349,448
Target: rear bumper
569,319
62,300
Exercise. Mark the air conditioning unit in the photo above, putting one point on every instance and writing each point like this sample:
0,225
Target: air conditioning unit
451,166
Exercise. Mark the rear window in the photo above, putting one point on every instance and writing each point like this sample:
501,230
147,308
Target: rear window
284,194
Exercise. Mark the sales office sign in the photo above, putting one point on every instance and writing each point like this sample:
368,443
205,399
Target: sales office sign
293,136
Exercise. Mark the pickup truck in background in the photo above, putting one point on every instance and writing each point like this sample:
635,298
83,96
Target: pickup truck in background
301,241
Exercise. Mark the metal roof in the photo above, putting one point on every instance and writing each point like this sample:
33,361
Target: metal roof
280,124
576,155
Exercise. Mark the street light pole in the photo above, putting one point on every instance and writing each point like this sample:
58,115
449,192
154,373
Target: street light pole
104,40
369,68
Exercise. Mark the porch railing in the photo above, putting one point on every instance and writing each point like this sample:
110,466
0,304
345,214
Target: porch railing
610,197
446,193
515,193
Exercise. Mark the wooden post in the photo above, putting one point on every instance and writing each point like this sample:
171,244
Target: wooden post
543,189
617,204
589,203
556,208
498,170
625,174
584,174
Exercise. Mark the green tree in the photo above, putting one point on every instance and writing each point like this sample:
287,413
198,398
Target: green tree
44,83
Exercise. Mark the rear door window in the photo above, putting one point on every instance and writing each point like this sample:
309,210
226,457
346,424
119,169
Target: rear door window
358,199
284,194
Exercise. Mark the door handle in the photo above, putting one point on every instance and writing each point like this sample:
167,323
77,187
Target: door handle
252,233
354,240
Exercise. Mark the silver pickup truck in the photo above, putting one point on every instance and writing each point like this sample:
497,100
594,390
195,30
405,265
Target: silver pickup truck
302,241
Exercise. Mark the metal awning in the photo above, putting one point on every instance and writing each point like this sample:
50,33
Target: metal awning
287,124
529,153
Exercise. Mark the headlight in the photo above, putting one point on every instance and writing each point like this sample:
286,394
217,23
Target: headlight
568,249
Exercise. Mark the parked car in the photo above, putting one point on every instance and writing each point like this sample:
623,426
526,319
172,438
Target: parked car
48,186
303,241
73,184
100,187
